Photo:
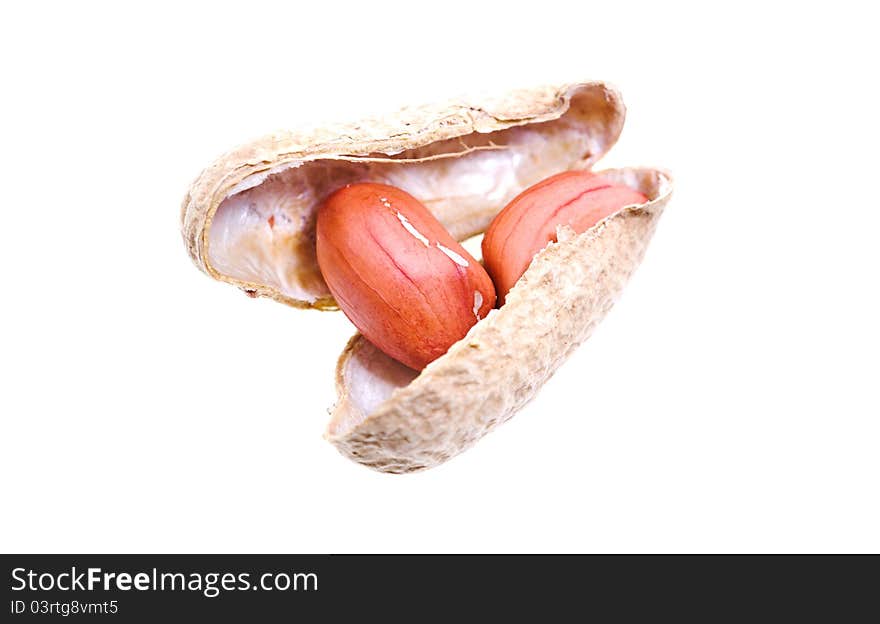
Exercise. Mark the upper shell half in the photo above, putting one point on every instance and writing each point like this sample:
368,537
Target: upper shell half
249,219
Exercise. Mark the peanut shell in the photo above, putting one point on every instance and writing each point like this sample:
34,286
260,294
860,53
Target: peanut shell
249,218
394,420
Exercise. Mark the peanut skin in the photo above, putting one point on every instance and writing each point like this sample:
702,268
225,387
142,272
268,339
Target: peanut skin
397,274
525,226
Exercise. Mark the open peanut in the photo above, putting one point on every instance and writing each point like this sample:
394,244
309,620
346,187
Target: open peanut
398,274
578,199
250,219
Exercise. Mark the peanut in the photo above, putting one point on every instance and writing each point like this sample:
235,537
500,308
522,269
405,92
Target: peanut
397,274
579,199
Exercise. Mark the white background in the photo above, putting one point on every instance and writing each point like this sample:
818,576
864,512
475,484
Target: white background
728,403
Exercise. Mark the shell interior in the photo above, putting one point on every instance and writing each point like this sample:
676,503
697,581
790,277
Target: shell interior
263,231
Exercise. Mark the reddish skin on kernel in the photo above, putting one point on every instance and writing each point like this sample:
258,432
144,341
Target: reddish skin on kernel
397,274
579,199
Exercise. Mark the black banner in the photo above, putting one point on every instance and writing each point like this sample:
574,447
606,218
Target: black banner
135,588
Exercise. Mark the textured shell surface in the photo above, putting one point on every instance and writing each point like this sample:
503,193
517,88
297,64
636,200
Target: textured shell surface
393,419
249,218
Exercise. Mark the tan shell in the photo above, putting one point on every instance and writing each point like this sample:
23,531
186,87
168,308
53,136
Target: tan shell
425,141
395,420
388,416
